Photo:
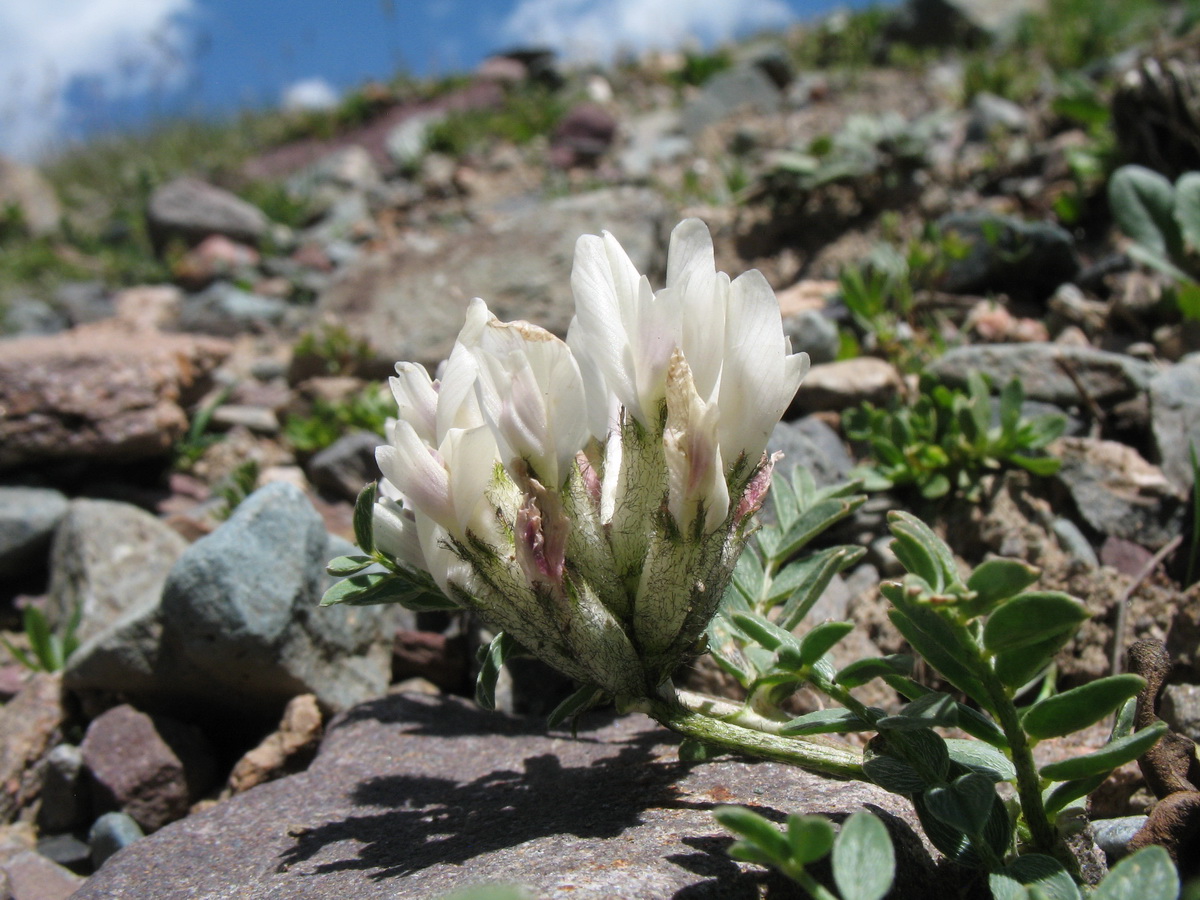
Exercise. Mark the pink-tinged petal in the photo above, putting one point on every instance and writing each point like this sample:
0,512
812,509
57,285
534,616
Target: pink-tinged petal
541,539
416,398
532,395
752,497
418,473
695,475
656,333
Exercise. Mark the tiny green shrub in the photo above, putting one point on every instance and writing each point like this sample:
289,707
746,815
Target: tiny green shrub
526,113
947,438
50,650
988,633
328,421
1163,221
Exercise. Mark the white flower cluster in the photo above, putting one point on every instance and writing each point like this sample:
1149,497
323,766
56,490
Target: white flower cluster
589,497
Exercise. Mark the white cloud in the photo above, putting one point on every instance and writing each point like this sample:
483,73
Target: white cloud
600,29
310,93
108,49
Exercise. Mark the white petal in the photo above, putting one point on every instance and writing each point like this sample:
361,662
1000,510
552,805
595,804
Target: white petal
690,251
760,377
695,475
417,399
471,458
395,532
411,465
605,301
532,395
457,405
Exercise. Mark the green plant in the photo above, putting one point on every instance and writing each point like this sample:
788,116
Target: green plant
947,438
280,204
864,861
870,156
618,548
698,68
236,486
330,349
1163,221
526,113
50,650
985,633
329,420
198,438
850,39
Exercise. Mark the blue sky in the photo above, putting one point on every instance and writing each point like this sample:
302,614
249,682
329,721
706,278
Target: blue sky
69,68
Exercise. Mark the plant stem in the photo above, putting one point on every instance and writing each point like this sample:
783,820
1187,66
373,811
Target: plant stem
1029,790
827,760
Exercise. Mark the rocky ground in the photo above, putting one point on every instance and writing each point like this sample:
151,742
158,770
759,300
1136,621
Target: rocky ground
178,461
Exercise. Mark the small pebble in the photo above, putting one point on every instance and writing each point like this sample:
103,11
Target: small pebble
112,832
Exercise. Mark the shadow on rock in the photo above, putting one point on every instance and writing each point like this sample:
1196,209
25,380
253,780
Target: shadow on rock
425,821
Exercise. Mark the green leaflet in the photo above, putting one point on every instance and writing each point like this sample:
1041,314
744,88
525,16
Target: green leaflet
1110,756
864,861
1079,707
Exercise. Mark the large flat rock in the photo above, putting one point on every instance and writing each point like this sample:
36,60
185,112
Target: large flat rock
104,391
410,304
416,796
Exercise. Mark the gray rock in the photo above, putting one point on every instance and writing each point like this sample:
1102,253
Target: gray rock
418,797
991,114
108,558
653,139
1007,255
1074,542
346,465
407,142
1175,418
1108,378
742,88
814,333
951,23
1113,835
258,419
84,301
65,849
225,310
520,264
839,385
239,631
350,168
348,217
28,517
64,798
24,188
28,316
150,768
191,210
111,832
1117,492
810,443
1180,708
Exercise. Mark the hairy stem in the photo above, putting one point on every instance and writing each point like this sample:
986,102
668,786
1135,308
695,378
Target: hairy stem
827,760
1029,790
